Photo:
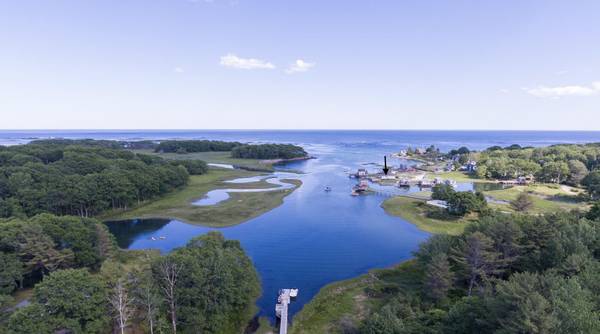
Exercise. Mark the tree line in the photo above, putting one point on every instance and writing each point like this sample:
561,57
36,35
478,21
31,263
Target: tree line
268,151
568,164
238,150
504,274
208,286
83,177
194,146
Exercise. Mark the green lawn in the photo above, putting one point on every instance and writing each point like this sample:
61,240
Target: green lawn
214,157
459,176
238,208
350,301
415,211
546,198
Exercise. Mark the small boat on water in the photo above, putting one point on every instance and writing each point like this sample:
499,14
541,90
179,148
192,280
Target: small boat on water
327,189
293,292
162,237
404,183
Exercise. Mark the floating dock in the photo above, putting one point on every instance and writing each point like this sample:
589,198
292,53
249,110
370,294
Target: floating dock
281,309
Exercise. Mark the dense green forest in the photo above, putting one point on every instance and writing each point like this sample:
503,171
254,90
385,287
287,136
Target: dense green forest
505,274
209,286
193,146
238,150
268,151
32,248
569,164
83,177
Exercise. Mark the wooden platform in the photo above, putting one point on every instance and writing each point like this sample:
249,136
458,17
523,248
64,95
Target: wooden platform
281,309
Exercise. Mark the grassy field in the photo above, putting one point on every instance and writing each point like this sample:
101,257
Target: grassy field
459,176
415,211
238,208
344,304
214,157
546,198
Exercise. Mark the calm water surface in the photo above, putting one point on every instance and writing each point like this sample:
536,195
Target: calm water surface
314,237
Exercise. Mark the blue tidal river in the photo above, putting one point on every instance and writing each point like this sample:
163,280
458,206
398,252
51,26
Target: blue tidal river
314,237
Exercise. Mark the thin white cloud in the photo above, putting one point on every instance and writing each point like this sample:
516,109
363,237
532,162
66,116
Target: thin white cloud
178,70
560,91
231,60
299,66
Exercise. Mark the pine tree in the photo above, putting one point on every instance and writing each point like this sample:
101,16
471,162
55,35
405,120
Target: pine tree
478,259
438,277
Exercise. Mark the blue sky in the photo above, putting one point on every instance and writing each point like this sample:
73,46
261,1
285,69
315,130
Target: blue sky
241,64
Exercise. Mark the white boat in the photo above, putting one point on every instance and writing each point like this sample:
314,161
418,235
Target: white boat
293,293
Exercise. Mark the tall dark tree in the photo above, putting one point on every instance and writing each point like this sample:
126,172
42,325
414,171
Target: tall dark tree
520,307
478,259
592,184
438,277
522,203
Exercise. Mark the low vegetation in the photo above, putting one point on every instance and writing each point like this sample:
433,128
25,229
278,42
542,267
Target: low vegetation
238,208
424,216
218,158
544,199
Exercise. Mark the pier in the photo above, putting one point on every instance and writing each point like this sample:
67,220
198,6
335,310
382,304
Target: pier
281,309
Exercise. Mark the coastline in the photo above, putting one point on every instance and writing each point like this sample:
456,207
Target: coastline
410,210
349,301
237,209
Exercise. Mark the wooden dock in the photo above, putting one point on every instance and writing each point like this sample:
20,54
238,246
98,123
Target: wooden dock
281,309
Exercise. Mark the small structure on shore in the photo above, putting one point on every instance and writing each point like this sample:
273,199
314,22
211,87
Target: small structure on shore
425,184
521,180
361,187
438,203
360,174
